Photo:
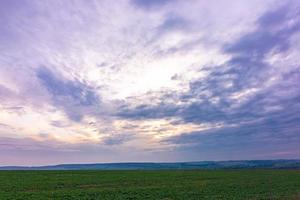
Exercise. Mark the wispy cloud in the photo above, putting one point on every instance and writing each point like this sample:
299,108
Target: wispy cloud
122,81
151,4
74,97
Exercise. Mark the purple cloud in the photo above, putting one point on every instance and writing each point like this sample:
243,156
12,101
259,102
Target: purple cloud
150,4
103,81
70,95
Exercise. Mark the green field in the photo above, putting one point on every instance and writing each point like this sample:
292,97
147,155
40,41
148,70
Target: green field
193,184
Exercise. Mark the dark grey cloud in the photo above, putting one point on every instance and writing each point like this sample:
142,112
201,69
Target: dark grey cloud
270,115
273,17
150,4
245,70
118,139
273,33
264,122
260,139
69,95
78,92
174,22
146,111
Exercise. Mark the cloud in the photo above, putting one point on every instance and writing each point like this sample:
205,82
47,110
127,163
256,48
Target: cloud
117,139
199,80
14,150
244,93
70,95
174,22
150,4
244,72
256,140
268,37
148,111
5,93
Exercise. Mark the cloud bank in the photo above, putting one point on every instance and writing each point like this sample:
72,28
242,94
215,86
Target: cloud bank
148,81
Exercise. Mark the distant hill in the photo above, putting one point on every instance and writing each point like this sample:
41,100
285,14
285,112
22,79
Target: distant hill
242,164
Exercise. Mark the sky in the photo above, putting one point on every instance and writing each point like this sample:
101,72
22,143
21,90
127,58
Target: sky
148,81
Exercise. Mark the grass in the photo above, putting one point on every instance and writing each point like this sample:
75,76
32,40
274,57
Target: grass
166,185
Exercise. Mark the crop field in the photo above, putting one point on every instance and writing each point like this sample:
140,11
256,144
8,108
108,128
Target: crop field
142,184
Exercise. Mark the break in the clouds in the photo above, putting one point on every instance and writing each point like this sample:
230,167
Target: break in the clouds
137,80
